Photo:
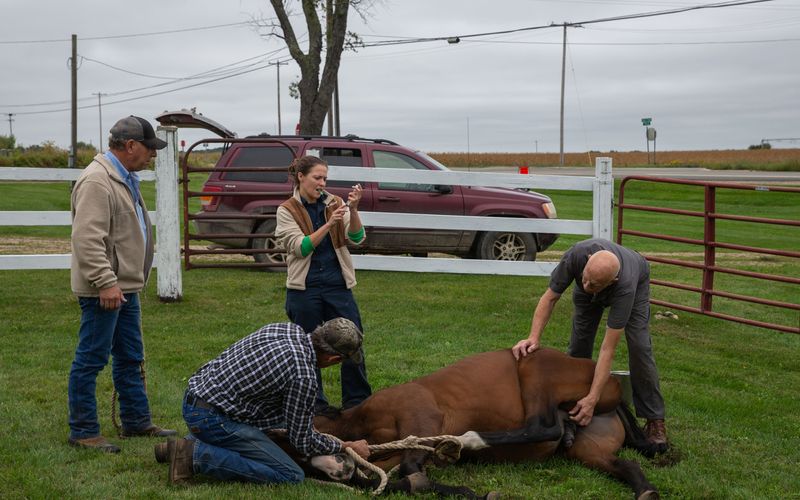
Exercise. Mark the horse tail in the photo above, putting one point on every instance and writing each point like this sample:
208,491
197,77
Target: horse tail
635,437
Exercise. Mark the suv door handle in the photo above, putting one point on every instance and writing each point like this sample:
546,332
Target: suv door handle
388,198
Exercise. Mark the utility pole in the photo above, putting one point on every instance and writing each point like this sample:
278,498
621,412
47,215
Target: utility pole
468,144
329,27
563,70
100,111
74,78
336,106
278,65
10,127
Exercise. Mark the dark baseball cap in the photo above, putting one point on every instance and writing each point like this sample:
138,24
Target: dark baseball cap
139,130
343,337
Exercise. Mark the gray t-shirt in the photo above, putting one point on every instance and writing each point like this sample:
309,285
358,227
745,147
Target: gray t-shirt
620,296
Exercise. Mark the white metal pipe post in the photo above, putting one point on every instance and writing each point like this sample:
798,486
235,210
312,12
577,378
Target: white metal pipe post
168,227
602,199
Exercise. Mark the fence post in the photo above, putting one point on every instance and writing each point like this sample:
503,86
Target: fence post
602,199
168,239
710,254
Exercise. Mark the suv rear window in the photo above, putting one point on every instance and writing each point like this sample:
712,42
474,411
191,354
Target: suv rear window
269,156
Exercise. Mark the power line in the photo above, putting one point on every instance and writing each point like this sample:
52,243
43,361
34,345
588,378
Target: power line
152,94
729,42
131,35
214,72
718,5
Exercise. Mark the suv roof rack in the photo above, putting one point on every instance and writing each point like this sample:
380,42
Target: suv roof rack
348,137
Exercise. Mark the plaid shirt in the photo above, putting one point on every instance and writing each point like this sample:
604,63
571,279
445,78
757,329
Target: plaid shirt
268,380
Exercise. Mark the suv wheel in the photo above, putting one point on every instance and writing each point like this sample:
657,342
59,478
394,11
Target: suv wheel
506,246
268,242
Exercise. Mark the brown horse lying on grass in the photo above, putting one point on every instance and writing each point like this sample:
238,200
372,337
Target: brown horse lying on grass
502,410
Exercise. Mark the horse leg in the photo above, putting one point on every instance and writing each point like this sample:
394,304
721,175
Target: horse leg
413,479
538,428
419,482
626,471
595,446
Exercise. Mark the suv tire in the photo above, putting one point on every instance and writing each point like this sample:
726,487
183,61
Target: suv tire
502,245
268,243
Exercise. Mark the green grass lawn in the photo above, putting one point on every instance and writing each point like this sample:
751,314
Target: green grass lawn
731,390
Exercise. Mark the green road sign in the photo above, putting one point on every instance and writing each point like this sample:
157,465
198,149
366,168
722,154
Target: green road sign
646,121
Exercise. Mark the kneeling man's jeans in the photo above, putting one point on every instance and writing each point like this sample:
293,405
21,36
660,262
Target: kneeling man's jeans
233,451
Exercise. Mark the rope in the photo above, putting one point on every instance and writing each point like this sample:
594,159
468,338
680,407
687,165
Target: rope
114,421
444,449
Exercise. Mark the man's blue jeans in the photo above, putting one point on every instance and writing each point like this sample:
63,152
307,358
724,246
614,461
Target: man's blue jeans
102,333
233,451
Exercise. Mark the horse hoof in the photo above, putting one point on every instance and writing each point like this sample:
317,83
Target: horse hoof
493,495
417,482
649,495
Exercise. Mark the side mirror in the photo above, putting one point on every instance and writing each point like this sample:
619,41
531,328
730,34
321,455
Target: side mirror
442,189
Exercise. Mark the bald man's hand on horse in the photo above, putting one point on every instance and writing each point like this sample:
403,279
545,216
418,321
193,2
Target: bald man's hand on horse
583,410
524,347
361,447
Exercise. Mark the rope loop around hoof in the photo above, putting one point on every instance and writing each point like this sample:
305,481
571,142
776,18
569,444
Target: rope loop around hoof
444,450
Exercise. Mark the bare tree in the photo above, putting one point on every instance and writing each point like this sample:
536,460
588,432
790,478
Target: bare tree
315,91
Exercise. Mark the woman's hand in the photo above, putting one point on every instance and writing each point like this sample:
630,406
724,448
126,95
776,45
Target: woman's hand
337,215
354,197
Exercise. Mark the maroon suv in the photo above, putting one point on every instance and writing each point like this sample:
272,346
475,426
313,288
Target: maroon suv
352,151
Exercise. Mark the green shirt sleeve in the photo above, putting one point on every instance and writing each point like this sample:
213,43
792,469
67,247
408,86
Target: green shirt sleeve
306,247
357,236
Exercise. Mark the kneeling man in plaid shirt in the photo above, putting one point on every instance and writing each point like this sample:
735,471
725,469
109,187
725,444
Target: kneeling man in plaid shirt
263,382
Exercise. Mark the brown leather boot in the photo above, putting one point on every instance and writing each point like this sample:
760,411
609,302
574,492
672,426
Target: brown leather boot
656,431
181,465
150,431
161,452
95,443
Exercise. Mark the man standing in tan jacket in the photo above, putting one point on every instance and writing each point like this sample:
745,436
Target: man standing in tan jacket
112,252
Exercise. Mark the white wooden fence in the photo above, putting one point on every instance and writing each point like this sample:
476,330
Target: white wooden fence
167,216
601,185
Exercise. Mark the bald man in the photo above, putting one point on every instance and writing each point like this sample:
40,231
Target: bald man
606,275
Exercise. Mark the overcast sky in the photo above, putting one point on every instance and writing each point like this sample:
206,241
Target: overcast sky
721,78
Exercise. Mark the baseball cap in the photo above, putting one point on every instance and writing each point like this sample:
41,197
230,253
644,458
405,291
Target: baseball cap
344,338
138,129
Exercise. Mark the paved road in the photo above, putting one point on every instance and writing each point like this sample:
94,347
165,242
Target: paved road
698,174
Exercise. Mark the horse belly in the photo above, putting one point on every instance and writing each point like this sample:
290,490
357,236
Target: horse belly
479,393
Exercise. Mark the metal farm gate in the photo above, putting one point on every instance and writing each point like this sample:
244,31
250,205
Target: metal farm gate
710,244
189,237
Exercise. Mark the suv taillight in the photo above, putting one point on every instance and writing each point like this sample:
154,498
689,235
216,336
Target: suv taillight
209,202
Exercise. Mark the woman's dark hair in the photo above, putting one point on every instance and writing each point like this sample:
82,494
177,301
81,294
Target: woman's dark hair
303,165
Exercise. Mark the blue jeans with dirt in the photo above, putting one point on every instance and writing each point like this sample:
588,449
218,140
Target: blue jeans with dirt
234,451
104,333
